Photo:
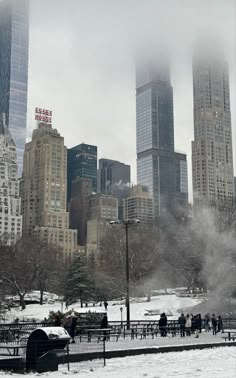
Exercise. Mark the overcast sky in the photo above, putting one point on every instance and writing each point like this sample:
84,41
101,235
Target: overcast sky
82,65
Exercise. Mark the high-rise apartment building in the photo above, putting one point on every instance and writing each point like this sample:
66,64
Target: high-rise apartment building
138,205
10,202
81,192
110,173
103,209
14,41
212,157
82,162
181,177
43,190
155,134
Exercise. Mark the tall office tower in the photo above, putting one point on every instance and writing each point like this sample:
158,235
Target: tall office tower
14,41
82,162
110,173
181,176
103,209
139,205
43,190
212,158
79,206
10,203
114,178
155,134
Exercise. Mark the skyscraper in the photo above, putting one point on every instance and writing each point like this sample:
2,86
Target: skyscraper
43,190
181,177
10,203
110,173
155,134
212,158
14,41
82,162
81,192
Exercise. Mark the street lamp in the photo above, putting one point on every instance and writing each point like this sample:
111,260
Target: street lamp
126,223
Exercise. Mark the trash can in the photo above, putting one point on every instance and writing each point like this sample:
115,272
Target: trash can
42,348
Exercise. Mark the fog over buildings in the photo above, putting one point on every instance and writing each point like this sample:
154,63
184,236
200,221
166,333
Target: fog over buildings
82,66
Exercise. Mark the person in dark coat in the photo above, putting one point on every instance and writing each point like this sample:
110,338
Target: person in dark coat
214,323
105,305
199,323
56,321
182,323
104,325
104,322
163,324
220,327
73,327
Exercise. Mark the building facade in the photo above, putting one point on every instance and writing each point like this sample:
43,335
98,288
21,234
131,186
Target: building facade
14,41
110,173
139,205
10,202
181,177
155,134
43,190
103,209
212,155
79,207
82,162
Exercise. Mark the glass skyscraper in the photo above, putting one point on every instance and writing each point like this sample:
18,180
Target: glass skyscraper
81,162
155,134
14,41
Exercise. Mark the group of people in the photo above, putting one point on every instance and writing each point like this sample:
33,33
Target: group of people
193,324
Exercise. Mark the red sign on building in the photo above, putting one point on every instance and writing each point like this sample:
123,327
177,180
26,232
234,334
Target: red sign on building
43,115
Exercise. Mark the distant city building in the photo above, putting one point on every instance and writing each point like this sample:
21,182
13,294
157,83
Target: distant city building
181,176
103,209
14,41
155,134
139,205
79,206
114,178
212,158
10,203
111,172
82,162
43,190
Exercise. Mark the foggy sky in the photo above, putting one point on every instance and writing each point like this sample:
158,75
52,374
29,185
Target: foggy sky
82,65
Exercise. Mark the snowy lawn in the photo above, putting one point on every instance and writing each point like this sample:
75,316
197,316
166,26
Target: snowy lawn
208,363
171,304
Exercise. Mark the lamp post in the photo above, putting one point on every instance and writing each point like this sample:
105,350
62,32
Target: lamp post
126,223
121,317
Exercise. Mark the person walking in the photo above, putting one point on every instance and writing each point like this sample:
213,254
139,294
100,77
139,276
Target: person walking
105,305
188,325
214,323
182,322
220,327
73,327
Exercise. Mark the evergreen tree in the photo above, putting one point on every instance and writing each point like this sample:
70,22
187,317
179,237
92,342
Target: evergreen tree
78,283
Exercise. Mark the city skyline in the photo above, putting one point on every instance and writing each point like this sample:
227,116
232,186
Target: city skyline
113,115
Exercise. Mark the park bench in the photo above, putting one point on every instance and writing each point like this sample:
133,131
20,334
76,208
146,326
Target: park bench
231,335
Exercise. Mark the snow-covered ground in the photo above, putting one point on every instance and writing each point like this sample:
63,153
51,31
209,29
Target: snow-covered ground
171,304
208,363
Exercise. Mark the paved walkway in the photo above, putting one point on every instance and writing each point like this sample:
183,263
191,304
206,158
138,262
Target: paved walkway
125,344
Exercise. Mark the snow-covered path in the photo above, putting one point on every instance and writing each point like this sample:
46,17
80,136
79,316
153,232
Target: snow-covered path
208,363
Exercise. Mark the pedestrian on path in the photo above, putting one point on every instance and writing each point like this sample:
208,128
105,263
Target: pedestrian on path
214,323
